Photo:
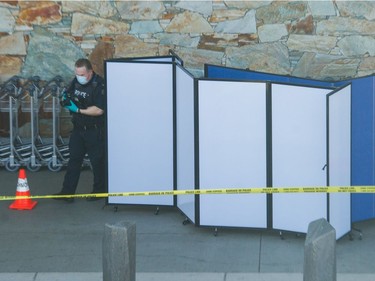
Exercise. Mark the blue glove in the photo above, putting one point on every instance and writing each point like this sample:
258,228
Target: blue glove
72,107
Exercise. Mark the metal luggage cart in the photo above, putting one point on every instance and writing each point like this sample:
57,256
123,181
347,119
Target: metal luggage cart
4,140
60,149
9,102
4,145
40,152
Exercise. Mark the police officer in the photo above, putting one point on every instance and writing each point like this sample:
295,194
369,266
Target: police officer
86,101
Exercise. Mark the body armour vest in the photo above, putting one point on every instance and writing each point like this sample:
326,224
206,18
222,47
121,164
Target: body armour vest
84,96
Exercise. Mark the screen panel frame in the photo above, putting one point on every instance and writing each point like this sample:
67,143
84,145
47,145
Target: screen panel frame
185,136
215,135
339,163
144,129
293,165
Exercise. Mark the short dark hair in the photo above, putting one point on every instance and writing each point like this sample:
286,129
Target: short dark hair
84,63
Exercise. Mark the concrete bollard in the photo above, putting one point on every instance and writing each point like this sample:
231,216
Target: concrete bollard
119,245
320,252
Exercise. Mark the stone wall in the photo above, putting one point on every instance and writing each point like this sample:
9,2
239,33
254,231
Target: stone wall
315,39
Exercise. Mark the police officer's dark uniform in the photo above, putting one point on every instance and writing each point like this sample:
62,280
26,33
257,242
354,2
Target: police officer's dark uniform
87,135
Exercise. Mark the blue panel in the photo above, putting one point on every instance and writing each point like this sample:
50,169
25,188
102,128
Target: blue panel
212,71
363,146
363,132
363,207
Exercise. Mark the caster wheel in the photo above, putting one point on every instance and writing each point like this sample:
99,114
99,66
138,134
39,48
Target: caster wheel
215,232
186,221
34,168
54,167
11,168
157,211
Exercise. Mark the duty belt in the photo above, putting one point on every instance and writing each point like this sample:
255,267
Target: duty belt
86,127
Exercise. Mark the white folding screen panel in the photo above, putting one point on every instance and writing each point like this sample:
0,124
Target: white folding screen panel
232,152
140,130
298,154
185,141
339,158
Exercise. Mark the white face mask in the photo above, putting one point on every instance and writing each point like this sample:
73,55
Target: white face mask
81,79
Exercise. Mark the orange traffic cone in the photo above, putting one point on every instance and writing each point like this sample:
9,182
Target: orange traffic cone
22,190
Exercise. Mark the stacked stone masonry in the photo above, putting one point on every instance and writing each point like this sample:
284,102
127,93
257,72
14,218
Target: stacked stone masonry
326,40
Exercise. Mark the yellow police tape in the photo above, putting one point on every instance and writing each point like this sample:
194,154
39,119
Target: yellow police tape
266,190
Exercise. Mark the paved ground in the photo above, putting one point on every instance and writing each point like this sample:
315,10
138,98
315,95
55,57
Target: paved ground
92,276
62,241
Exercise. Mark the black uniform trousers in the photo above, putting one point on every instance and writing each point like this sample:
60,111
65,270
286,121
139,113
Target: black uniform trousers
84,140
